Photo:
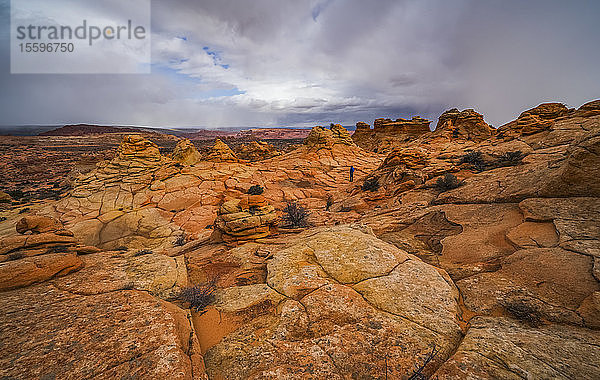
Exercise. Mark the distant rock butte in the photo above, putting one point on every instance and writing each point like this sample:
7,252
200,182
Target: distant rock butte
321,137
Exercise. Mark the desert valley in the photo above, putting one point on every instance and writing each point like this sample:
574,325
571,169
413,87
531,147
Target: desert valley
457,251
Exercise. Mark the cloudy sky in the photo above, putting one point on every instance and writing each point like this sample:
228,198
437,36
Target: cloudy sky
240,63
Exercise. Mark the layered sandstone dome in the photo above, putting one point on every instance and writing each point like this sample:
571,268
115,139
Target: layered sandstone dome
257,151
186,153
467,124
249,218
221,152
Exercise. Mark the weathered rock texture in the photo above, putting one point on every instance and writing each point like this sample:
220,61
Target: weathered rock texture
337,303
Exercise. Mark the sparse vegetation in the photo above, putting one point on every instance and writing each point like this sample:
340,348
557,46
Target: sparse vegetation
143,252
329,202
371,184
524,312
510,158
418,372
199,296
256,190
295,215
16,255
447,182
179,241
475,159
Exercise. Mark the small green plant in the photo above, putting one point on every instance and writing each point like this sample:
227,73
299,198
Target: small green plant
295,215
370,184
511,158
447,182
143,252
256,190
475,159
199,296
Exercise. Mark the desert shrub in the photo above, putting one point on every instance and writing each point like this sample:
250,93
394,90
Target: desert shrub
143,252
418,372
199,296
295,215
256,190
179,241
329,202
16,194
523,312
511,158
16,255
447,182
475,159
370,184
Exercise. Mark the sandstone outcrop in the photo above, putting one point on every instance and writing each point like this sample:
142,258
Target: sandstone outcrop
348,303
387,133
535,120
467,125
244,219
47,252
186,153
257,151
220,152
323,138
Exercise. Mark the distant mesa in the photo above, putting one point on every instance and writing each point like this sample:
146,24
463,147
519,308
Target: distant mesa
88,129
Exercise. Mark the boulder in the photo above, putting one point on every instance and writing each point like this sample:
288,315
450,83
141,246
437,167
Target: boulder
38,224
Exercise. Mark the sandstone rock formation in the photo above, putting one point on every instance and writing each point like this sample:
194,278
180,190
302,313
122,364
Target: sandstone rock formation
220,152
387,133
249,218
467,124
47,252
257,151
535,120
320,137
186,153
347,304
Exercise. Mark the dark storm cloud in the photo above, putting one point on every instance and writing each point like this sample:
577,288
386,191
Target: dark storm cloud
266,62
